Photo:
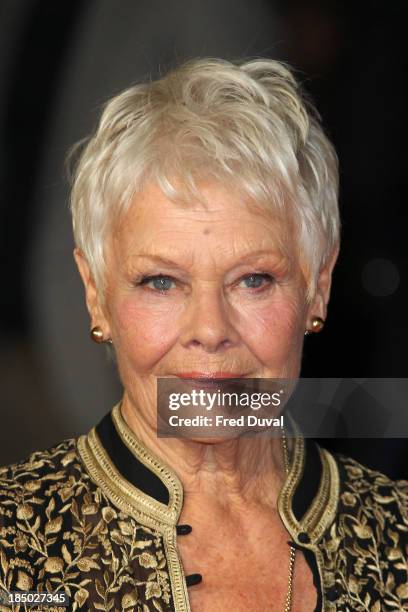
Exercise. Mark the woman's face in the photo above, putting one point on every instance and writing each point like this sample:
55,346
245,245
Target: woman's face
203,290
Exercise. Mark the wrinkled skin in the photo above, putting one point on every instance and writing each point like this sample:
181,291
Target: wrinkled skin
209,318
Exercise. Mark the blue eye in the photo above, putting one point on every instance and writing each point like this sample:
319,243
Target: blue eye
256,280
160,282
163,283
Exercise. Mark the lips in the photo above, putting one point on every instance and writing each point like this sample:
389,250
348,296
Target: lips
209,375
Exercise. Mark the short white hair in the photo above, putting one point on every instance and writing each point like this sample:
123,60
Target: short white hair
245,124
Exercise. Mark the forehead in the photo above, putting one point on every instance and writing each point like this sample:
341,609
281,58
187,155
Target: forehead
222,219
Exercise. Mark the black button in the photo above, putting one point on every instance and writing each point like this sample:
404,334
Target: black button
333,592
193,579
303,537
183,529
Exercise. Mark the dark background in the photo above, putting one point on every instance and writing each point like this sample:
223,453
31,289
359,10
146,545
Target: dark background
60,61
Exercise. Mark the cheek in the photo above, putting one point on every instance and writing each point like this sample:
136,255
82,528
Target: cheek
142,335
273,331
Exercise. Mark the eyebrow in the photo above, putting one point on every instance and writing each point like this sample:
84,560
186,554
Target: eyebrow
246,256
158,258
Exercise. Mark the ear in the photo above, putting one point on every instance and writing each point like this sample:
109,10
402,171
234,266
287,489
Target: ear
93,304
318,306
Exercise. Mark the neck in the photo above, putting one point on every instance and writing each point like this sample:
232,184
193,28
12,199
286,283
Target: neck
233,473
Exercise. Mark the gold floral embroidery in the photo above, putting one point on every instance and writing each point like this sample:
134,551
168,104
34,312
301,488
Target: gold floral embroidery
59,532
366,550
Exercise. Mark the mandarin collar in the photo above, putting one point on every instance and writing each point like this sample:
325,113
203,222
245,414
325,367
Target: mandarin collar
144,486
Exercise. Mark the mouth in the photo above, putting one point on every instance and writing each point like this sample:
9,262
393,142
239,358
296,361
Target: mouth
209,375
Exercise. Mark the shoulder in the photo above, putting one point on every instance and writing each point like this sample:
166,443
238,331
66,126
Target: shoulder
371,488
45,478
35,495
370,506
41,473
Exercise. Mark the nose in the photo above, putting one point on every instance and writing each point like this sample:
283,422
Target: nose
207,322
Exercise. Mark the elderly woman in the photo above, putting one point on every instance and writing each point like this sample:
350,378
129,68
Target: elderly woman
206,225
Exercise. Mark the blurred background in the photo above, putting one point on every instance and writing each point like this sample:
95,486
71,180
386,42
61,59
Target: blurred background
60,61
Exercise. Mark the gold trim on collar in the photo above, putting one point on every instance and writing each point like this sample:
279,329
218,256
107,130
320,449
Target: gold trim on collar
133,502
120,490
322,510
153,463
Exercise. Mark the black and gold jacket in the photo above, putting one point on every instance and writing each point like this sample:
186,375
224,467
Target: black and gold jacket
97,517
